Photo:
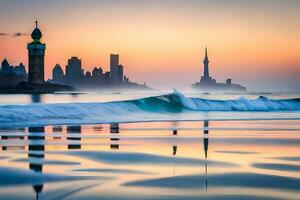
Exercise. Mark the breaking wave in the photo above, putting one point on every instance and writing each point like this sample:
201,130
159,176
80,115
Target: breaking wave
147,109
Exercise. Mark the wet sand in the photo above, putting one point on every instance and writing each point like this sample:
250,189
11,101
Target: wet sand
154,160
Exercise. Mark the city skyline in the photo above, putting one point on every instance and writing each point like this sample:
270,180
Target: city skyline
260,49
74,77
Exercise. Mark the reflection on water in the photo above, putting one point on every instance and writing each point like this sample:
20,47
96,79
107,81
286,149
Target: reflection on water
74,130
114,130
36,154
35,98
150,160
205,144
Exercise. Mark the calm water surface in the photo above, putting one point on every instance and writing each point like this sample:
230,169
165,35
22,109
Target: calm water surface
154,160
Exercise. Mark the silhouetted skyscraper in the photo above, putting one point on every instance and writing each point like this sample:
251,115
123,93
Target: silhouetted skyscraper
58,74
120,74
6,68
36,55
74,72
114,68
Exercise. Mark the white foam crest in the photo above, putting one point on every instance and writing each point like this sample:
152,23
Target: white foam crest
173,106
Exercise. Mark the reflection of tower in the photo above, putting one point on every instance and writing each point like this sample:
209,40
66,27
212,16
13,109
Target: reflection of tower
97,128
205,144
36,154
36,55
174,153
114,129
175,132
174,157
74,130
35,98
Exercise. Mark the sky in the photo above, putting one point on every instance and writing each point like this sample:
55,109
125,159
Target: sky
256,43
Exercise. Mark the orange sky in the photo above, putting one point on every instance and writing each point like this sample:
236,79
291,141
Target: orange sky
255,43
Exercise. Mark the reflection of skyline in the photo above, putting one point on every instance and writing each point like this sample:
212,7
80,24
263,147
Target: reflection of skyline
15,147
114,129
145,160
57,129
74,130
36,146
36,154
36,98
205,145
174,158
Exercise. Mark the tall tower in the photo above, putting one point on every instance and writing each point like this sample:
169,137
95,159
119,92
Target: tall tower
114,68
36,55
206,62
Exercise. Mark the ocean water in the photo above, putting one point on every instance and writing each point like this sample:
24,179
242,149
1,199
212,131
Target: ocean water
139,106
150,145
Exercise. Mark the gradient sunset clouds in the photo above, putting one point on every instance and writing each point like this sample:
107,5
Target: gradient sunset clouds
256,42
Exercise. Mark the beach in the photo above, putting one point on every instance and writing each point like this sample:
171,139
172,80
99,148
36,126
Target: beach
219,155
155,160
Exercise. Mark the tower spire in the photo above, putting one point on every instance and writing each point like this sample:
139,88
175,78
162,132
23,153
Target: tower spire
36,22
206,62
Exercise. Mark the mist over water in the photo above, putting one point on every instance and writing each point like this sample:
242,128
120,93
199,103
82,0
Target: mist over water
120,106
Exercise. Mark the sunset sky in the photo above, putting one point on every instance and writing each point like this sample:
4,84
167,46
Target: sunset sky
256,43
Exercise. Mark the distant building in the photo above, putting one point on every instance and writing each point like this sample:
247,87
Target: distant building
126,80
88,77
58,75
106,77
120,74
6,68
97,73
74,71
96,79
114,68
207,83
15,79
206,79
36,55
11,76
20,70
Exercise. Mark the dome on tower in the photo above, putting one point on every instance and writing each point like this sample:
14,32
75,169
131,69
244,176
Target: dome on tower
36,33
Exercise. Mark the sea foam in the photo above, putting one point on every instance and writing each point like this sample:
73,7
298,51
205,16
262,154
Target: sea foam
156,108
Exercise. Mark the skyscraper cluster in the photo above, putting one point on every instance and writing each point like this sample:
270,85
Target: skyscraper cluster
8,69
74,75
11,76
